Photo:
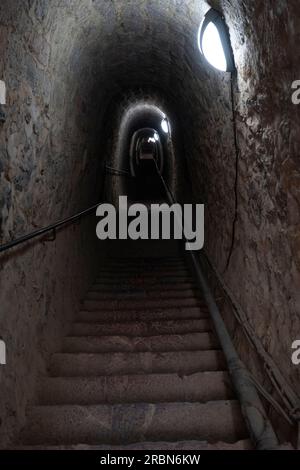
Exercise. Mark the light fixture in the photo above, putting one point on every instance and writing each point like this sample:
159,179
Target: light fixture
165,126
2,101
156,137
214,42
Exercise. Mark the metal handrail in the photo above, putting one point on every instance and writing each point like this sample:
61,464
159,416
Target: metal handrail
260,428
49,228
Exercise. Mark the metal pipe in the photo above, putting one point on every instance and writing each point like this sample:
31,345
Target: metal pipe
259,426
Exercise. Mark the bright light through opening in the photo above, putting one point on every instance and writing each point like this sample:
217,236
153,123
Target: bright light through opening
165,126
212,47
156,137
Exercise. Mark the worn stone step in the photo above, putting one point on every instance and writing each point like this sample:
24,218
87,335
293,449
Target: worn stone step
140,281
183,363
133,273
118,316
144,267
171,446
161,343
119,276
125,424
158,288
143,294
153,388
141,328
144,262
134,304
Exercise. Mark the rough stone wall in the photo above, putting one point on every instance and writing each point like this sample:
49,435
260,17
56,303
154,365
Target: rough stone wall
63,61
264,272
48,170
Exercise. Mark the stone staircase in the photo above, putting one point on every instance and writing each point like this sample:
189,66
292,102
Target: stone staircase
140,369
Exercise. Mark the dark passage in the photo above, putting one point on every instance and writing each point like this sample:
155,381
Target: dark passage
128,343
148,186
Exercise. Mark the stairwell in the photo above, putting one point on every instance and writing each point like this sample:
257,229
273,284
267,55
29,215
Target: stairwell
140,369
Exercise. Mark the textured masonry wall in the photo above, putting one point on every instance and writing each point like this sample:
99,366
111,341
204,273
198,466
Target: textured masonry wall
264,272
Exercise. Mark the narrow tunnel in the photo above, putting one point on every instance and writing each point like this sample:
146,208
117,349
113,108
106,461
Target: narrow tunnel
108,98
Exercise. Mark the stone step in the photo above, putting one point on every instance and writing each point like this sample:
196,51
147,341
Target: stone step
141,328
141,272
155,388
144,263
142,266
125,424
134,304
160,281
141,369
161,343
119,277
182,363
152,446
118,316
